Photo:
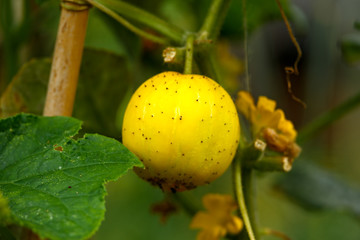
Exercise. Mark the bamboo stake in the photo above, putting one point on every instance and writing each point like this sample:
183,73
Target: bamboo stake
67,58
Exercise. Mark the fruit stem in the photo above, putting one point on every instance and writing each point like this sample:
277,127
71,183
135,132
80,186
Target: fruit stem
66,60
127,24
189,54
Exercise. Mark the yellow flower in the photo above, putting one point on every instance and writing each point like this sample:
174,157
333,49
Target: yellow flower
269,123
218,220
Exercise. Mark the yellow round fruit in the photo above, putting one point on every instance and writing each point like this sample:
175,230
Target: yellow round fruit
184,128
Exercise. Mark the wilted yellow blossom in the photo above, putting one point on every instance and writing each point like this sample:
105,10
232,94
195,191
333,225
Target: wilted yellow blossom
218,220
269,123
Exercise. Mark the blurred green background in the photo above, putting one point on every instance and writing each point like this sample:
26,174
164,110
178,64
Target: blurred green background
287,202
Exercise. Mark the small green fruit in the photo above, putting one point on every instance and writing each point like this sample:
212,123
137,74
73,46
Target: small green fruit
184,128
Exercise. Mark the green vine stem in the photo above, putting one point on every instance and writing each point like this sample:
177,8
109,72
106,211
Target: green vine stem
189,54
241,188
174,33
214,19
328,118
186,204
127,24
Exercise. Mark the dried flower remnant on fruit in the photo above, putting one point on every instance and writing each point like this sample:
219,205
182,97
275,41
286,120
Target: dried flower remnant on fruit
218,220
269,124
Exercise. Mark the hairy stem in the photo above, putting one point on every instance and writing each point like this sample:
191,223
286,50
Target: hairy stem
174,33
246,57
240,190
214,19
127,24
66,63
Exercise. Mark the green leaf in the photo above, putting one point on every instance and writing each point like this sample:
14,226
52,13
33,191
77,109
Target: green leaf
318,189
101,88
55,184
350,46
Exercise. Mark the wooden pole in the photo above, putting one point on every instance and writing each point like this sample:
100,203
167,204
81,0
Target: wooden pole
67,59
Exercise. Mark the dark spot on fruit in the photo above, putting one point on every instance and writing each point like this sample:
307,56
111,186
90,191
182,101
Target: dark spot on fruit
149,103
172,118
192,77
139,118
145,85
158,131
201,141
225,124
222,106
153,85
180,117
162,112
175,91
164,75
217,163
170,142
167,88
152,115
197,100
136,106
146,138
133,133
183,154
189,86
69,186
142,134
139,96
202,120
